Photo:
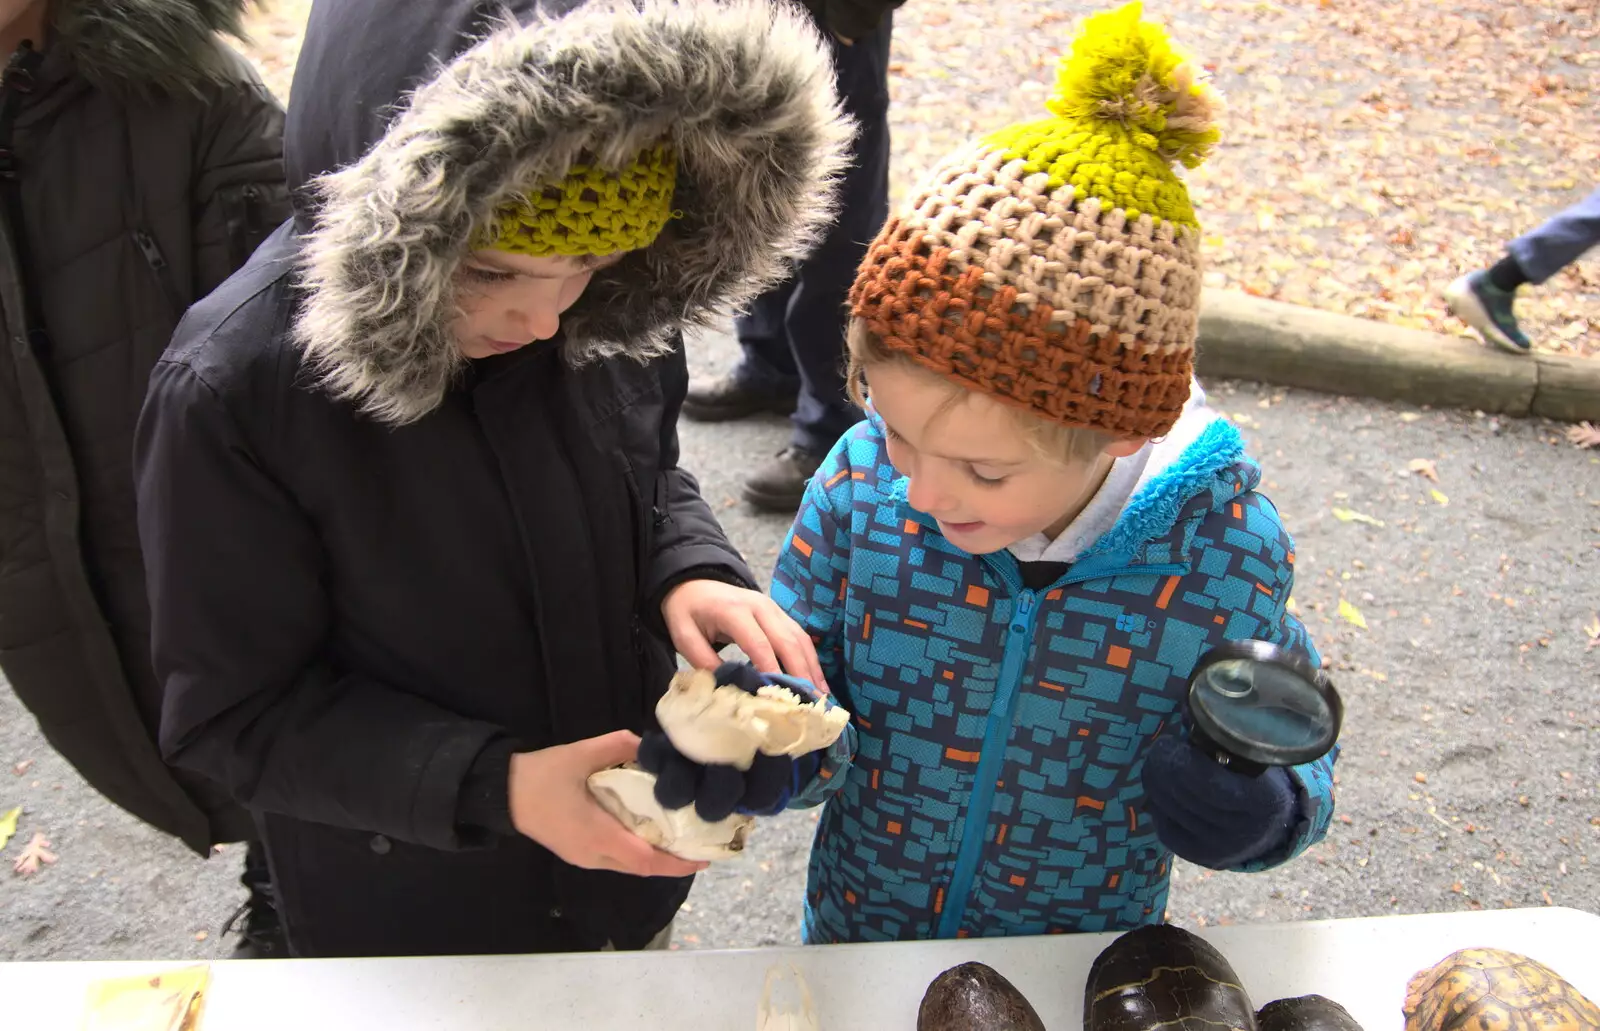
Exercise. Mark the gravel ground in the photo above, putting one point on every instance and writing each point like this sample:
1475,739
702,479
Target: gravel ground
1471,771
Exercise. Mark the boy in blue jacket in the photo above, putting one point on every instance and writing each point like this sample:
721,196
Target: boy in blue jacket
1014,563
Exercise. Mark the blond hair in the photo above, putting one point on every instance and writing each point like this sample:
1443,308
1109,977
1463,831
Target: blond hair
1069,445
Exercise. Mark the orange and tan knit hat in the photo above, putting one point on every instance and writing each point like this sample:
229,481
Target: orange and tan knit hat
1055,265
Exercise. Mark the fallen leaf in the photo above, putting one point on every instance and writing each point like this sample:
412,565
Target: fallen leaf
1410,416
1592,631
1420,777
201,936
1439,496
8,824
1350,515
37,853
22,767
1352,615
1424,467
1585,434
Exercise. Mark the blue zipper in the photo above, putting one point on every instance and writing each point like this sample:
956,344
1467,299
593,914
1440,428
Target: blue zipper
997,735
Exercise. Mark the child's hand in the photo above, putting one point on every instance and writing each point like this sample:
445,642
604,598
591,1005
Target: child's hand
718,791
1210,815
699,612
551,803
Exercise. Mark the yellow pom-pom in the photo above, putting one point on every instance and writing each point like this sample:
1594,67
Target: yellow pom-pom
1127,70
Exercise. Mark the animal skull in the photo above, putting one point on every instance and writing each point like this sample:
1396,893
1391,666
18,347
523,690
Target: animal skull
727,726
629,794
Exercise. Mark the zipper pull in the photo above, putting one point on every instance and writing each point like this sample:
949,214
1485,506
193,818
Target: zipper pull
150,249
1024,612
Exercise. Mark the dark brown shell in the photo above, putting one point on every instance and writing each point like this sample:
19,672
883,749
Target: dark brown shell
1164,977
1495,990
974,997
1305,1013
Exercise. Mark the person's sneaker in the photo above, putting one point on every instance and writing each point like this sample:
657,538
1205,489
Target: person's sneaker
1475,300
779,486
725,397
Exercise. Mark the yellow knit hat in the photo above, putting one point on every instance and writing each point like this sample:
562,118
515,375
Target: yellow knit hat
592,210
1055,265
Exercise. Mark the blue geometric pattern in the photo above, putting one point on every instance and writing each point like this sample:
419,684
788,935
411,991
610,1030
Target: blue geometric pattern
994,788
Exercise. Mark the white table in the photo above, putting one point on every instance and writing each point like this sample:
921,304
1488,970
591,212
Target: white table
1362,963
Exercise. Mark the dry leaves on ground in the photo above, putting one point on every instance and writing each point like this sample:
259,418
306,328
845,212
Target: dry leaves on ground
1352,615
1350,515
8,824
34,855
1424,467
1585,434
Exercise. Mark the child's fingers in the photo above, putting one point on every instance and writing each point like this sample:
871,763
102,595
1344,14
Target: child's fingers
791,644
608,750
692,644
747,633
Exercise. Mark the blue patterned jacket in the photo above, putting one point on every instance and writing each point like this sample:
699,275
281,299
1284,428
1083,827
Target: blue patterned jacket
998,731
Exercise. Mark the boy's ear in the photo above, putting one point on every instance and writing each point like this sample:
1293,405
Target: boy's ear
1126,448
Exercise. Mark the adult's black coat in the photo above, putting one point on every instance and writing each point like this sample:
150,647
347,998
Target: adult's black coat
370,559
140,164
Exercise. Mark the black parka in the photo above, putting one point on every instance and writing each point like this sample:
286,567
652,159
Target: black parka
144,165
372,560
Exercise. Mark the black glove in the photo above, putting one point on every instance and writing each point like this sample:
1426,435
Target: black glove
1210,815
719,791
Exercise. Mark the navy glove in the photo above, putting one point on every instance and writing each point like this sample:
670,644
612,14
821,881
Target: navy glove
718,791
1210,815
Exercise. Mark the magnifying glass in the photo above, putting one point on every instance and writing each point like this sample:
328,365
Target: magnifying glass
1253,705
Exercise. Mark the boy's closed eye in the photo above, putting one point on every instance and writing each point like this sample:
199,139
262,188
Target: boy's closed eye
979,472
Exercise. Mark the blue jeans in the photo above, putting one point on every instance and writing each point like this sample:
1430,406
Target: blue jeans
793,335
1560,241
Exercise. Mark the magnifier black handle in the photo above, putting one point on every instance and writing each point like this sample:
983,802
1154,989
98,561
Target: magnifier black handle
1221,756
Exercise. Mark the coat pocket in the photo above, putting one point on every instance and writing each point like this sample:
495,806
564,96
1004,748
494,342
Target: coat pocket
250,212
150,250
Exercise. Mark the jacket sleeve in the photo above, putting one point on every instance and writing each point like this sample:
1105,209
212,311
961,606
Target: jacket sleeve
689,543
240,192
809,584
240,624
1313,781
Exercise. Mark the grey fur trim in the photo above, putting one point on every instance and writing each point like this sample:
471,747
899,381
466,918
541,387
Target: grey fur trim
745,92
165,46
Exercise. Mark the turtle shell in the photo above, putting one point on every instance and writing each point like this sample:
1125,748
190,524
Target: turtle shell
1495,990
1305,1013
1164,977
975,997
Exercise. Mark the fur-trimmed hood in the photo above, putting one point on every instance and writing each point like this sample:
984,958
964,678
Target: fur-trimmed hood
140,46
743,90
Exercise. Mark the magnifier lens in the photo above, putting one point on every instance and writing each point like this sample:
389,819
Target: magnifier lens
1262,712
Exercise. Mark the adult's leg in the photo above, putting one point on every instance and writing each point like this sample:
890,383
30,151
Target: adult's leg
1560,241
765,380
816,317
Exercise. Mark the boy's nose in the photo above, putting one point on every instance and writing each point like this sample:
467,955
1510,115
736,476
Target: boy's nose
924,495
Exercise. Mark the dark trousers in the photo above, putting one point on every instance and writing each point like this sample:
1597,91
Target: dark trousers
793,335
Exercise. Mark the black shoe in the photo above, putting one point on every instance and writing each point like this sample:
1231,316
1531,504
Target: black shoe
781,484
724,398
261,934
